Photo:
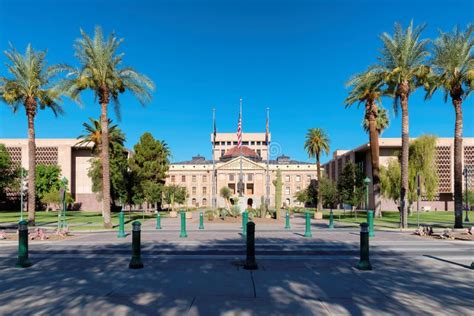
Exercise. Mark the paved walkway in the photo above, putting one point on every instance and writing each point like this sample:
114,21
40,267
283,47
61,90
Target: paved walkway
203,274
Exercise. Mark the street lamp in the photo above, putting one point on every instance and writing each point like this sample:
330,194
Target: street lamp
367,182
466,219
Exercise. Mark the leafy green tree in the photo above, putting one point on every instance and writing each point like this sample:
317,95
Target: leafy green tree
48,178
403,69
453,68
367,89
118,173
422,162
329,193
278,183
150,162
33,87
173,193
381,122
350,185
226,194
302,196
317,144
52,199
8,172
100,72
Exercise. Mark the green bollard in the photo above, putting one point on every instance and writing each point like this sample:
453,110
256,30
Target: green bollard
307,232
245,219
287,221
331,220
364,262
158,221
23,261
370,222
183,233
472,265
201,220
250,262
121,232
136,262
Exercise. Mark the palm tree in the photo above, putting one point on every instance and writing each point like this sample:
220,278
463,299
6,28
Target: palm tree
94,135
403,70
367,88
100,72
381,122
453,71
316,144
32,86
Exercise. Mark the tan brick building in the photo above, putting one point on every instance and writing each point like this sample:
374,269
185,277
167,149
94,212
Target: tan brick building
388,150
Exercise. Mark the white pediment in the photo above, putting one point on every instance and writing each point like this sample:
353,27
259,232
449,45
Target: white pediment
247,164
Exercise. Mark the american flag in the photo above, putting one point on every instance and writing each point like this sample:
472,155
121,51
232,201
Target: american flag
239,132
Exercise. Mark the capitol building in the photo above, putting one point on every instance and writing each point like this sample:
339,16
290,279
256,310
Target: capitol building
230,164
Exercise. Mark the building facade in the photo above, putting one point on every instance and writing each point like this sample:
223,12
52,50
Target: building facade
389,148
73,160
258,173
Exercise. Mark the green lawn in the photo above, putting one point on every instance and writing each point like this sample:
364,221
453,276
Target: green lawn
392,219
76,220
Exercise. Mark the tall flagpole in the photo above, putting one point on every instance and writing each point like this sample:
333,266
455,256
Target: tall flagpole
241,177
267,139
214,178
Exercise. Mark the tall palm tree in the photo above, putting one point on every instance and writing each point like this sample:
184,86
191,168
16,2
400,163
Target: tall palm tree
367,88
317,144
402,66
93,134
32,86
100,71
453,71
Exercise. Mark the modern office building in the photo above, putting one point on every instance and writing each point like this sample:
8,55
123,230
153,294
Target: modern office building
389,148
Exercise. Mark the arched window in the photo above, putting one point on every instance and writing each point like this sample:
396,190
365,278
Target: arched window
204,202
193,202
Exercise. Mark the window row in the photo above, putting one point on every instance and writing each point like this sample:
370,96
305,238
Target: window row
193,178
194,190
244,143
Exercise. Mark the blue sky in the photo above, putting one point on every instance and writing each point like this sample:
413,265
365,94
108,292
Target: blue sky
291,56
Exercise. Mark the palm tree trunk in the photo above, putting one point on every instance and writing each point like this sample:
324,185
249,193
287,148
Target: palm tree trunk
404,160
374,155
31,165
318,168
457,102
105,161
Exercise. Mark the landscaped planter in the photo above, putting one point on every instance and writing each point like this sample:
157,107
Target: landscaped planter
318,215
173,214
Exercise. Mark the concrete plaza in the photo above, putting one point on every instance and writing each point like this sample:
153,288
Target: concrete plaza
203,274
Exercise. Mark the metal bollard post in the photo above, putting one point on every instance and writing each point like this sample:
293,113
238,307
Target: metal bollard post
183,233
370,222
121,232
364,262
136,262
158,221
331,220
23,261
250,262
287,221
201,220
307,232
245,219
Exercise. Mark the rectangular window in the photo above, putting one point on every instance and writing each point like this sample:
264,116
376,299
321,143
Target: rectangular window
298,189
259,143
204,178
231,177
252,143
194,190
235,143
298,178
250,188
259,152
287,190
231,186
308,178
183,178
229,143
246,143
287,178
250,177
204,190
193,178
173,178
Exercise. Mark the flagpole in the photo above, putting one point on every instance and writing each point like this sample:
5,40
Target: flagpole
213,178
241,182
267,138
